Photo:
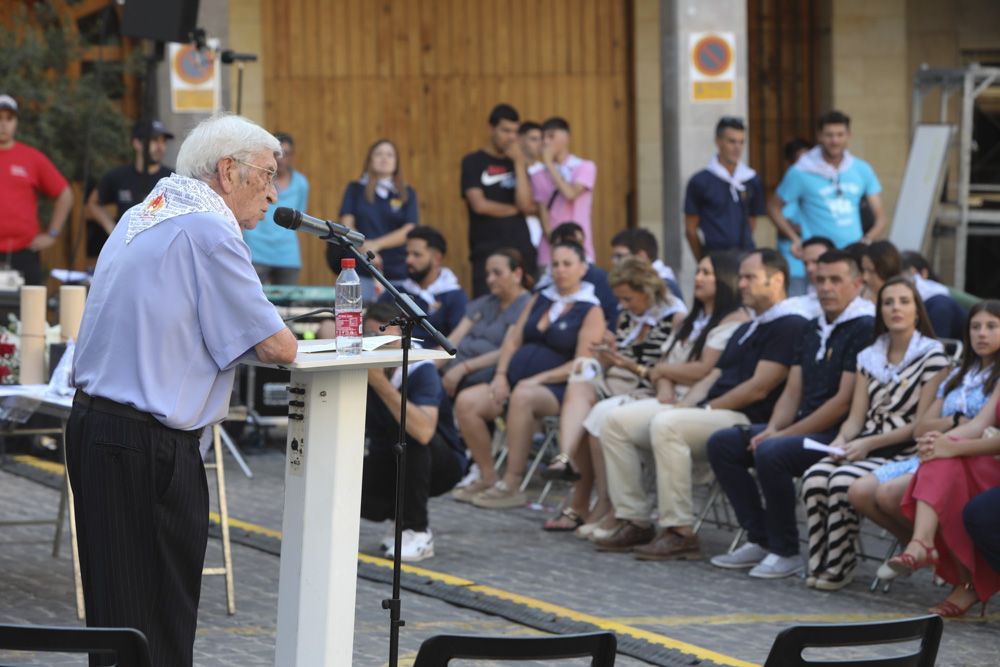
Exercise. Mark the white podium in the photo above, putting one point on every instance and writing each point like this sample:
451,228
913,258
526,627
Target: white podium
322,514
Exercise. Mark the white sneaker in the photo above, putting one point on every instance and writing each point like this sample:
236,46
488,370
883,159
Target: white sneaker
416,546
777,567
747,556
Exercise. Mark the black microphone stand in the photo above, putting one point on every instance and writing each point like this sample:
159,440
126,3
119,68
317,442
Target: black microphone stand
411,316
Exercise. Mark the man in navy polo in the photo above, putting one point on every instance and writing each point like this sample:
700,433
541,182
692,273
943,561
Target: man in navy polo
723,198
816,399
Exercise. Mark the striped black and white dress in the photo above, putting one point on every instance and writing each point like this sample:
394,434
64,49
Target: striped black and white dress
893,395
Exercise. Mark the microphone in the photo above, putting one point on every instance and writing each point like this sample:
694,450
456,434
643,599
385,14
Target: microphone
327,230
229,57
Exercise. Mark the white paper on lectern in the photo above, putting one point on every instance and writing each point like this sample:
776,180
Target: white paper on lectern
368,344
809,443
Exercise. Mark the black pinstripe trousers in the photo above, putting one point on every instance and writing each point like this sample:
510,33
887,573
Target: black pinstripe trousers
141,501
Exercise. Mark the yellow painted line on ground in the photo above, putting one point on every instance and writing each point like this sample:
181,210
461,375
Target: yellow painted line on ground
614,625
41,464
750,619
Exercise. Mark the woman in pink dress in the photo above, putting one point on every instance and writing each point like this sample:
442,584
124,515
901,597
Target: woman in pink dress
954,469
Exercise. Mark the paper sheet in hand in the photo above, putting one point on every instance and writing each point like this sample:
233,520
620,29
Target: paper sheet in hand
368,344
809,443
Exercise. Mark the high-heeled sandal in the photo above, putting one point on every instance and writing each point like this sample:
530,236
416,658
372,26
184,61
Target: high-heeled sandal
948,609
560,468
904,563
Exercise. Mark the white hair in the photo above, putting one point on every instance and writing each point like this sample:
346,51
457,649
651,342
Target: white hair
223,135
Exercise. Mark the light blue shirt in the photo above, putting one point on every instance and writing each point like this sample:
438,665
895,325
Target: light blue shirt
272,245
168,315
830,208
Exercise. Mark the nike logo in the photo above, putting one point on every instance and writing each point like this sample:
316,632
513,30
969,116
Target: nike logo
495,179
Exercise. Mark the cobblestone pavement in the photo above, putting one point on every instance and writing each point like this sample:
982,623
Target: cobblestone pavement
692,602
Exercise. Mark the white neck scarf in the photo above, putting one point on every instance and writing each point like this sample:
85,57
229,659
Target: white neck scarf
566,168
664,271
859,307
173,197
445,282
559,302
775,312
384,187
651,318
972,383
736,180
698,325
812,162
807,305
875,358
928,289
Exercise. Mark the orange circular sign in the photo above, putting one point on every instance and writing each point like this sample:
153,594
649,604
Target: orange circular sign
192,66
712,55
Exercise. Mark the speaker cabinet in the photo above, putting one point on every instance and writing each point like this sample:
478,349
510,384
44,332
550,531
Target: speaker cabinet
162,20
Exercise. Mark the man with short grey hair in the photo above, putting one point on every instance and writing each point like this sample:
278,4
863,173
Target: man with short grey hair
175,303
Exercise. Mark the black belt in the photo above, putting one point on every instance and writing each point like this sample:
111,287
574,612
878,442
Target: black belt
110,407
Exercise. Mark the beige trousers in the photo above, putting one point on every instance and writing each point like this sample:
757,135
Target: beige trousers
677,438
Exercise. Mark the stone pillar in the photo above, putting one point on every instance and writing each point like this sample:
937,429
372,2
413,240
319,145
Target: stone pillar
213,16
688,126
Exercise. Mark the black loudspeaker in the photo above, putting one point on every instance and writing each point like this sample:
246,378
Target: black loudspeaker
162,20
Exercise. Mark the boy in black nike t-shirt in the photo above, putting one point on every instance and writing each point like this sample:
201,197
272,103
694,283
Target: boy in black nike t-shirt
488,184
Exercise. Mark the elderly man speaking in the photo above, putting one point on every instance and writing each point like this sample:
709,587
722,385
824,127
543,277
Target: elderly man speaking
175,302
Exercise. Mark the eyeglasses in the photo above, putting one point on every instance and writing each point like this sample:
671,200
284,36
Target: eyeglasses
271,173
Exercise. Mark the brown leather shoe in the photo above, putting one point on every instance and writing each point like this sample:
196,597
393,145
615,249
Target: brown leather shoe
627,536
670,545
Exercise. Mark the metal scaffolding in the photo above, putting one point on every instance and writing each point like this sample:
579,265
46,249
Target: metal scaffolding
970,83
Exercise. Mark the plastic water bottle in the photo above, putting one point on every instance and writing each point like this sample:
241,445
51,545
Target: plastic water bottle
348,309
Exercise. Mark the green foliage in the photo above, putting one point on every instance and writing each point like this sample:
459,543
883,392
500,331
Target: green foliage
67,119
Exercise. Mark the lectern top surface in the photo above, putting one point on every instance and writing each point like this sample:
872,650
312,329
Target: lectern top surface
319,361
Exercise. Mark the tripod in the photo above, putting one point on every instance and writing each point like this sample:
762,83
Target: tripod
411,315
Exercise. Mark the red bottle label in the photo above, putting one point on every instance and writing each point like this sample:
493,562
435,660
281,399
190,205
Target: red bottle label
349,323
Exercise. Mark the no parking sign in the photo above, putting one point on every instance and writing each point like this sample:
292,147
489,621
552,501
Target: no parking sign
712,66
194,79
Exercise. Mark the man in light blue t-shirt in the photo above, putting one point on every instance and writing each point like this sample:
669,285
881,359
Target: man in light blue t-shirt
827,184
275,250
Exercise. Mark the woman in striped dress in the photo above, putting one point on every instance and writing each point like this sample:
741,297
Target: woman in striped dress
899,370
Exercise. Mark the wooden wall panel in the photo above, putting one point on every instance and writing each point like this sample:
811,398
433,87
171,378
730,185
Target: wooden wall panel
339,74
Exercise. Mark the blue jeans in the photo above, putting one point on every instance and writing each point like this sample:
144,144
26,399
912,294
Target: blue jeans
982,521
778,462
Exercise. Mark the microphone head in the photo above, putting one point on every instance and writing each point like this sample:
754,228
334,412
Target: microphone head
288,218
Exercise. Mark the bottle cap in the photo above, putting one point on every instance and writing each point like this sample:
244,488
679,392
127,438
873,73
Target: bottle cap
347,263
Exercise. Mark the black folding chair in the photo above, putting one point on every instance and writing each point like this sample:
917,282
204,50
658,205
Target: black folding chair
127,645
789,644
439,650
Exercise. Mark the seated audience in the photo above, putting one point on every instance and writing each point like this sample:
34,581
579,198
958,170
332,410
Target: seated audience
649,315
890,394
960,397
742,389
947,316
815,401
570,232
812,249
557,325
432,285
982,521
879,263
435,460
641,243
479,335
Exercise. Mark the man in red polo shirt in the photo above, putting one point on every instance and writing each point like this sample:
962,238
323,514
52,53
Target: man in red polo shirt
24,172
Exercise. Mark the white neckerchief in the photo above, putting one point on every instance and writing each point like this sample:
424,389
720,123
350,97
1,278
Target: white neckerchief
567,167
397,375
698,325
775,312
928,289
875,357
807,305
172,197
737,180
384,187
859,307
973,381
445,282
812,162
664,271
535,167
559,302
651,318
